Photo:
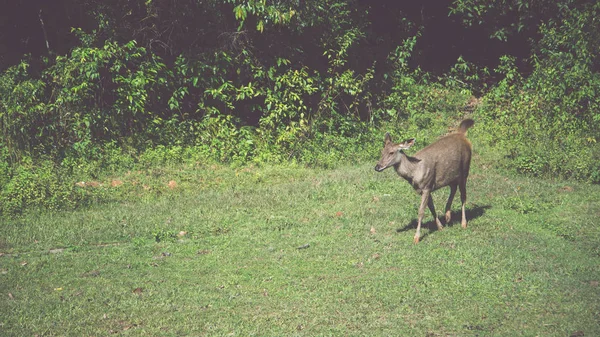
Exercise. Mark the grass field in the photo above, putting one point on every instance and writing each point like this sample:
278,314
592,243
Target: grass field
286,251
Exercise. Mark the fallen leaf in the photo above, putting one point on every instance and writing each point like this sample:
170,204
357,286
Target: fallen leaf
594,283
373,230
182,234
567,189
172,184
24,263
138,290
376,256
11,296
375,199
339,214
577,334
116,182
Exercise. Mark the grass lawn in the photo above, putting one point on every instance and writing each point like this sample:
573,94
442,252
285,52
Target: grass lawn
285,251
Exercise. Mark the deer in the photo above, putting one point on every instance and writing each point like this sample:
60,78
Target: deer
443,163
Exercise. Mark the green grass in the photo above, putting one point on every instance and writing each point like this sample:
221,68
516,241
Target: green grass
528,264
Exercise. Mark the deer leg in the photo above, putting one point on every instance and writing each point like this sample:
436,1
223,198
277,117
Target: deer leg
424,198
432,209
463,199
449,203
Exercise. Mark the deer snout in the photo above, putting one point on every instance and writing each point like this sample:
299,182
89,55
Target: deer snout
379,168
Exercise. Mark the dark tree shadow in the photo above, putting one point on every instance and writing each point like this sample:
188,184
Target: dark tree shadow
471,213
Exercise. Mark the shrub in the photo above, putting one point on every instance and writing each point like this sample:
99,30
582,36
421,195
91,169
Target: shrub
540,125
39,185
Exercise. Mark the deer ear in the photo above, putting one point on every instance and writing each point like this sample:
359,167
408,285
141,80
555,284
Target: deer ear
407,144
388,138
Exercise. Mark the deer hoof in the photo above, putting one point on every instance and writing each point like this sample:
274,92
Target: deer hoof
416,239
439,225
464,224
448,217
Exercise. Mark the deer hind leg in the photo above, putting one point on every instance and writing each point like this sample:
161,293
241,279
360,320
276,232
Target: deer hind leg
463,198
432,209
449,203
424,198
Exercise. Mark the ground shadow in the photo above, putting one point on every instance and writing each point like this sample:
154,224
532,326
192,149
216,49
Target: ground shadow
471,213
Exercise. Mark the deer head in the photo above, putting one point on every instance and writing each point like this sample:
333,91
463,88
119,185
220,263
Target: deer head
392,153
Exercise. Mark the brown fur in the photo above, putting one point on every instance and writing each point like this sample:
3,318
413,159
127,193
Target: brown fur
445,162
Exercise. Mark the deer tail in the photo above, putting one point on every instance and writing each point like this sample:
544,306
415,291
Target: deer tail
465,125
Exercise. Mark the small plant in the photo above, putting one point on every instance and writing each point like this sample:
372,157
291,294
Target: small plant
161,234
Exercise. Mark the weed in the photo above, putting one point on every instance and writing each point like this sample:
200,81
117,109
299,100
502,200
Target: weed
161,234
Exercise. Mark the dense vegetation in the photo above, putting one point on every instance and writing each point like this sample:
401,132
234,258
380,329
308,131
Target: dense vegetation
89,88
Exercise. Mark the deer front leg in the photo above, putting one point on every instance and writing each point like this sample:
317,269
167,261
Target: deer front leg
424,199
449,203
432,209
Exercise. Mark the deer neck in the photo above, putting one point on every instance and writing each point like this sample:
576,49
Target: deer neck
406,167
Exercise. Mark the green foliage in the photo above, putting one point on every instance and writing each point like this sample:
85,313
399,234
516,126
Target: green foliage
467,76
505,19
547,124
161,156
95,93
285,98
416,99
5,167
36,186
266,14
328,151
219,139
566,73
21,109
161,234
404,82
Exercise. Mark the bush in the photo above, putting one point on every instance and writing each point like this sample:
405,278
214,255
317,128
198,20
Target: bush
39,185
540,128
